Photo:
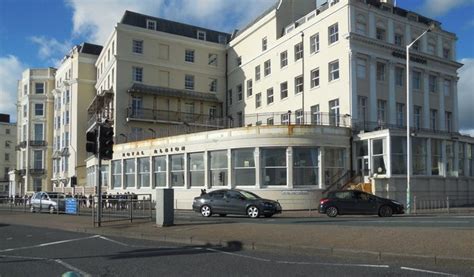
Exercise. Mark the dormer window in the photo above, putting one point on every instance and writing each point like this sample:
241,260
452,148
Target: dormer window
151,24
222,39
201,35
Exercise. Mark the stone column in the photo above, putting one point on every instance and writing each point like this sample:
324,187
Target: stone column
229,168
426,101
392,113
390,33
439,47
442,108
371,26
408,38
353,87
455,109
373,89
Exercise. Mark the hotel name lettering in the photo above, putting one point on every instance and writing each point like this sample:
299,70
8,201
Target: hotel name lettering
413,58
155,151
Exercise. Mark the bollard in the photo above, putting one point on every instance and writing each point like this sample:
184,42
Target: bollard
447,203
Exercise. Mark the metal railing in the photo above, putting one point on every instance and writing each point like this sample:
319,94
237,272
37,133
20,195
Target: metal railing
442,204
176,117
369,126
123,207
38,143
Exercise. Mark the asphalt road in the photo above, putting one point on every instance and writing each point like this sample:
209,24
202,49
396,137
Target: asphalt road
26,251
464,221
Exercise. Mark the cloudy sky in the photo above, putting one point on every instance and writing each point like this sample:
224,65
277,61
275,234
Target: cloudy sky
37,33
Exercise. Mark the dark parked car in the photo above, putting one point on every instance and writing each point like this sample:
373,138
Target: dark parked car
358,202
234,201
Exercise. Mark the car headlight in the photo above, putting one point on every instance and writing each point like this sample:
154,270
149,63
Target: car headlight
396,203
268,204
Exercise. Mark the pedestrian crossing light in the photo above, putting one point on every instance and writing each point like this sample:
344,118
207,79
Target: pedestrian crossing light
106,142
91,144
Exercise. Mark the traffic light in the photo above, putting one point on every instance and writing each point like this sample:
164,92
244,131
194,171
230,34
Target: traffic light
106,141
91,145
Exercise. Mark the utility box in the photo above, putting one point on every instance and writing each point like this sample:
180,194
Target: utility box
164,207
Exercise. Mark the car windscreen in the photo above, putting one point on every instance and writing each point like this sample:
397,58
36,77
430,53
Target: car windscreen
56,195
249,195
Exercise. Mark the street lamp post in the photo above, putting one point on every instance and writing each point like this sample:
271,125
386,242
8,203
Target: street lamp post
408,209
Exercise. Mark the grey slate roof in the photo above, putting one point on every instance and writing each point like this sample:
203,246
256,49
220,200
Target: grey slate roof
170,92
89,48
171,27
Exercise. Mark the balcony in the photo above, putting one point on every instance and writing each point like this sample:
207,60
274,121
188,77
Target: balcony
37,171
21,145
22,172
172,117
65,151
38,143
369,126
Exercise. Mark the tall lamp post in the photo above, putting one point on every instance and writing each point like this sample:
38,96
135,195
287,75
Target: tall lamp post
432,26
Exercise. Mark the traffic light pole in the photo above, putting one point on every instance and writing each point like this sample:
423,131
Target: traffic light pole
99,181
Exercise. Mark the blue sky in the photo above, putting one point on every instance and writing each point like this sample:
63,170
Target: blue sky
37,33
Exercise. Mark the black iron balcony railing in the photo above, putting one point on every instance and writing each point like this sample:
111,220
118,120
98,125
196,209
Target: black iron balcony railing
21,145
22,172
369,126
175,117
37,171
36,143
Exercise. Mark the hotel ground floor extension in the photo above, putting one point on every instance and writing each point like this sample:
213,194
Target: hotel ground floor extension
294,164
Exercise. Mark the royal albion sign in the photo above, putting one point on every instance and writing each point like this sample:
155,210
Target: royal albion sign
413,58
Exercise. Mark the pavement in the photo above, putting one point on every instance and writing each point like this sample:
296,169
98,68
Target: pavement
426,244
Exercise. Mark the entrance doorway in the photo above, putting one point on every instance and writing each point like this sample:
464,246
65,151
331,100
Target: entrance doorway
363,168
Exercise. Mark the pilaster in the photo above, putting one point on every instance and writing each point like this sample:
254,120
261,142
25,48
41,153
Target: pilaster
392,113
441,109
426,101
373,89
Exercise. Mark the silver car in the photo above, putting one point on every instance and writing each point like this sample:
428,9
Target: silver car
47,201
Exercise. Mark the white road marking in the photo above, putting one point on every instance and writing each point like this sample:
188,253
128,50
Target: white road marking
416,222
29,236
46,244
10,238
238,255
64,264
114,241
333,264
426,271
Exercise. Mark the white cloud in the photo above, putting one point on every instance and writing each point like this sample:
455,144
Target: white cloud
466,94
442,7
10,71
50,49
95,20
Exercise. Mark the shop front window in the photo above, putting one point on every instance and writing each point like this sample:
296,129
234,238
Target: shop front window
129,166
334,164
144,172
159,168
243,167
274,166
177,170
305,166
419,156
379,156
436,157
218,168
196,169
450,158
399,155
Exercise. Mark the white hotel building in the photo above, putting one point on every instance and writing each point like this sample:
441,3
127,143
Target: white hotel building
309,97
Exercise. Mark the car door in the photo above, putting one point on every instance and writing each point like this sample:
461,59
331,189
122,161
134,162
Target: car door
346,202
235,202
35,200
365,204
216,201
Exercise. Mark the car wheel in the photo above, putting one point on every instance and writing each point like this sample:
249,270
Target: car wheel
253,212
332,212
268,215
32,209
385,211
206,211
51,209
222,215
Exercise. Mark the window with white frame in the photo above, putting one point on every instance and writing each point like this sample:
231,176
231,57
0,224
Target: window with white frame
283,59
416,80
39,131
222,39
137,74
243,167
398,39
433,119
299,117
38,159
380,71
189,56
239,92
151,24
399,75
177,170
39,88
189,82
361,68
315,115
213,85
197,169
201,35
298,51
159,170
400,114
249,87
264,44
379,156
212,59
267,68
258,100
334,112
137,46
144,172
283,90
417,116
432,83
299,86
39,109
447,87
333,32
314,43
362,108
334,70
449,121
273,166
315,78
269,96
218,168
381,111
257,73
380,33
285,119
230,94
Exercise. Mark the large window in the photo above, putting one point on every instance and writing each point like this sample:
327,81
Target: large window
433,119
189,56
416,80
470,159
399,76
196,169
315,78
298,51
334,118
249,88
419,155
137,46
38,131
380,71
39,109
189,82
379,155
218,165
436,157
39,88
144,172
137,74
450,158
177,170
243,167
283,90
269,96
461,158
258,100
400,114
314,43
37,159
417,116
257,73
274,166
305,167
315,115
399,155
212,60
361,68
299,86
129,166
333,32
334,163
159,169
267,68
381,111
334,70
283,59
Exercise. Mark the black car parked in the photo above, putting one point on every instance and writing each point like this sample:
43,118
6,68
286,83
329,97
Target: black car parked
358,202
234,201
